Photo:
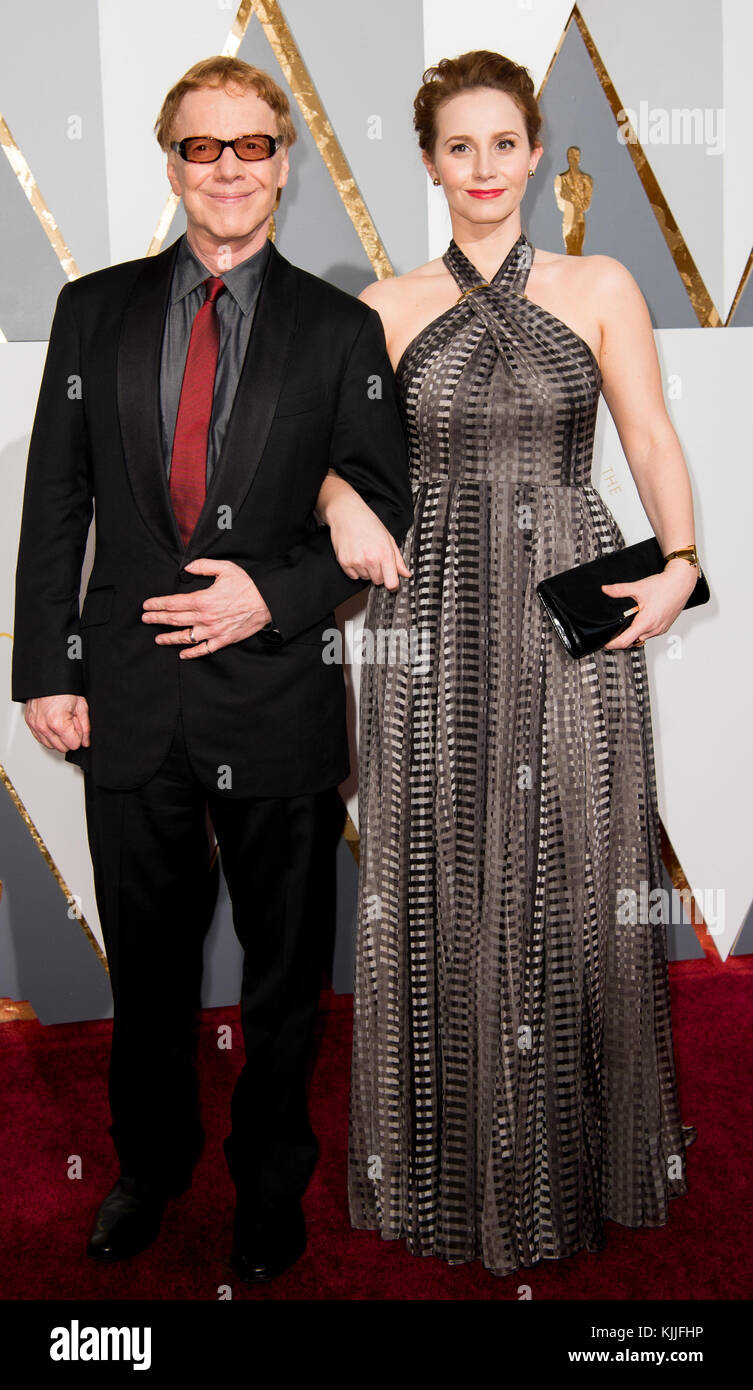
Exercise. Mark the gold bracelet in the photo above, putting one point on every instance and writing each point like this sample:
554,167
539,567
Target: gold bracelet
688,553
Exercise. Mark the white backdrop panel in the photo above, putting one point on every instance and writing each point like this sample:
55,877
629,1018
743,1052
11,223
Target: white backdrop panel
701,688
51,790
144,48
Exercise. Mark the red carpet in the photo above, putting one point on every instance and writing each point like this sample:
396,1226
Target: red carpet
54,1105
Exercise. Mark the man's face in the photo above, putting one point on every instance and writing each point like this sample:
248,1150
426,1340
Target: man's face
228,201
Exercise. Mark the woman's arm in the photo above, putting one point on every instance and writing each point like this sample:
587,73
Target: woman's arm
632,388
364,547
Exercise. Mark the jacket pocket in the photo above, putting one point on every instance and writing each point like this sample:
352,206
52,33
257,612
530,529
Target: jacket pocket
97,607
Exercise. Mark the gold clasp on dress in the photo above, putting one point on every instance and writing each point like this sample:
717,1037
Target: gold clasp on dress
483,286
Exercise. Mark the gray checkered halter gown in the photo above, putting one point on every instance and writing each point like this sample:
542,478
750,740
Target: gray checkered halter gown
513,1081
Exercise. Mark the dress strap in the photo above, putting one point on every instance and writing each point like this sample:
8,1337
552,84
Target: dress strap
512,274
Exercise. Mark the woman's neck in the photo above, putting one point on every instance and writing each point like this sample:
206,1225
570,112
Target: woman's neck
486,247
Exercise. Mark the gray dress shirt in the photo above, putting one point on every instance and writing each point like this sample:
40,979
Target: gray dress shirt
235,312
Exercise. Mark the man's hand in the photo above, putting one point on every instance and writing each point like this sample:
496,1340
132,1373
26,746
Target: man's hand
59,721
231,609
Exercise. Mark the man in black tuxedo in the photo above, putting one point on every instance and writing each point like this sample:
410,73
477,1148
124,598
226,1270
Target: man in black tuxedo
199,398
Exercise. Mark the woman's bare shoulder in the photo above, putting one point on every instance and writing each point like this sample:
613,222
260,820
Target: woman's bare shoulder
396,289
583,272
599,285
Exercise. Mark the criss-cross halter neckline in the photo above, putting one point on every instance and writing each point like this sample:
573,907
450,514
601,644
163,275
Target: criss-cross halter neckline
512,274
512,277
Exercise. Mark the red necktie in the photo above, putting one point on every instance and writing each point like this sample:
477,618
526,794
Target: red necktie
188,470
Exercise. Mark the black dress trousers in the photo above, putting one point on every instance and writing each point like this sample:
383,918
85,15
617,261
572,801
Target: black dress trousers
149,848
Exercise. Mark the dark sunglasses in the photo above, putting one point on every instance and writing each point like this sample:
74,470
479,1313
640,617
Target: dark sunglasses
205,149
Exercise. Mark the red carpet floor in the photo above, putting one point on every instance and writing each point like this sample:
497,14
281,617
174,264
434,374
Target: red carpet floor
54,1105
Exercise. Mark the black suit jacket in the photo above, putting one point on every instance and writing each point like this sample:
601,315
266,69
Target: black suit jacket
265,716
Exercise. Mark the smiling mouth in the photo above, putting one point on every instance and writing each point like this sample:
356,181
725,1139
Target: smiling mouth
484,192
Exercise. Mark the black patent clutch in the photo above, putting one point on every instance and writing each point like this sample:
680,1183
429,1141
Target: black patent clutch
584,617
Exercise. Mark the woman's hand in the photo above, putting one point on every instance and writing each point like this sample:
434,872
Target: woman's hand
660,598
364,547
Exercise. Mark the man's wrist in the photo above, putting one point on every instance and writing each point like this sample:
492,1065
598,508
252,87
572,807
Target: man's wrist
269,625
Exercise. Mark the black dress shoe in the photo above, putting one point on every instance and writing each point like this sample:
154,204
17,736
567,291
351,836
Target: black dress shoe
127,1221
267,1239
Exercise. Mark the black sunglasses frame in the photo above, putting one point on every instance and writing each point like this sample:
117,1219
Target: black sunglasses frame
180,147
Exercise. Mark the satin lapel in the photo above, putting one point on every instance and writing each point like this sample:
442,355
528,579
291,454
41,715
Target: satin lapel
255,401
139,352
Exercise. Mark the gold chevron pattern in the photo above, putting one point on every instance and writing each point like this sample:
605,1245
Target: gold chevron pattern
43,214
45,853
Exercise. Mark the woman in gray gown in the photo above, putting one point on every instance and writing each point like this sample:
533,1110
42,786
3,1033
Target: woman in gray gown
513,1082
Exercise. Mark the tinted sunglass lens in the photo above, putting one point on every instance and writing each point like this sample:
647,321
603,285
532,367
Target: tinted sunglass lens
252,147
202,151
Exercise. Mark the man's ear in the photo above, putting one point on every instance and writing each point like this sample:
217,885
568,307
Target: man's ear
172,175
282,177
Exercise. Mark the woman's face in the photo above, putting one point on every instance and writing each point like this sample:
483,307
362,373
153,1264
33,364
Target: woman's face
481,155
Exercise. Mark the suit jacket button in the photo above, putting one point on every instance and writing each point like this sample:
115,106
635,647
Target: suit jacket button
184,577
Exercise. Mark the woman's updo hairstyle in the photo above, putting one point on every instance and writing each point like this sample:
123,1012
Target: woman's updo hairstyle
471,70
